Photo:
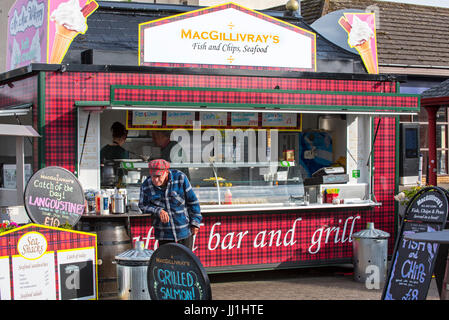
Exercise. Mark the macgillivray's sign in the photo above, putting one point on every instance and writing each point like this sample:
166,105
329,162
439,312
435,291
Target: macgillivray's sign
226,35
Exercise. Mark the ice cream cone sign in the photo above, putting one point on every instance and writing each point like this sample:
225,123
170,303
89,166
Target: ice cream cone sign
68,18
362,36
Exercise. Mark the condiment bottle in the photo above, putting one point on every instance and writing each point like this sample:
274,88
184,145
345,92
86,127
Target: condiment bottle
98,202
104,203
228,197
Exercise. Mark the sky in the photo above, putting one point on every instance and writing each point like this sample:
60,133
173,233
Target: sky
436,3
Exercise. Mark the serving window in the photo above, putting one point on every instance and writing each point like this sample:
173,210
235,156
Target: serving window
238,160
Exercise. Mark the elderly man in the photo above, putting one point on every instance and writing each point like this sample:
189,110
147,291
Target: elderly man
169,197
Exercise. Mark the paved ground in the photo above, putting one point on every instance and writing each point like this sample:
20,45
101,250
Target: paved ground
319,283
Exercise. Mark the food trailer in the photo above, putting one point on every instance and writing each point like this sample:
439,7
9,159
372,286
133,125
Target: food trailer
287,162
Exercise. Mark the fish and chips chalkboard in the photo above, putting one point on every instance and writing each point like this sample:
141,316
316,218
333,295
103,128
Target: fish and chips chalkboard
54,197
176,273
414,261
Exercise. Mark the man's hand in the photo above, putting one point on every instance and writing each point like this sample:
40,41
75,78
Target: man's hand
194,230
163,215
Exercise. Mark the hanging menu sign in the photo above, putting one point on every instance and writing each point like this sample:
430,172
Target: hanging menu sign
216,119
175,273
141,118
279,120
53,197
413,261
244,119
157,120
180,118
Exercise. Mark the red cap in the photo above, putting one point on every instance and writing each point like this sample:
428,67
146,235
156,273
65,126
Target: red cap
158,166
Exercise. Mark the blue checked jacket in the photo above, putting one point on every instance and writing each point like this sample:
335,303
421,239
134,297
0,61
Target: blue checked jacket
178,200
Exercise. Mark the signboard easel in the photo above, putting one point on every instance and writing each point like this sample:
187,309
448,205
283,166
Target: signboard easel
413,262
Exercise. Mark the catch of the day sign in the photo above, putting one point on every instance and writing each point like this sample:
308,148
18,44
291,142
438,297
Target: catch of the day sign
54,197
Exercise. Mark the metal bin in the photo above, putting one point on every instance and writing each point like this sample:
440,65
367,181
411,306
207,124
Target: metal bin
370,255
132,266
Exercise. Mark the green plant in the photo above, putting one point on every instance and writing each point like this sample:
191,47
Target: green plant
66,226
406,195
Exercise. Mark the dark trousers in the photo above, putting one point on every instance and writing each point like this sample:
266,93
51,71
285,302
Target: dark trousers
188,242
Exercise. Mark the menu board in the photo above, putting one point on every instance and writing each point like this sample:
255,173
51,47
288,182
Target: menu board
141,118
5,280
244,119
180,118
76,273
53,197
46,263
413,261
275,119
34,279
156,120
216,119
175,273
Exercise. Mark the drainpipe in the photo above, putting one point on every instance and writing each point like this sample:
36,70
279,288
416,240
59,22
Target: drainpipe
432,133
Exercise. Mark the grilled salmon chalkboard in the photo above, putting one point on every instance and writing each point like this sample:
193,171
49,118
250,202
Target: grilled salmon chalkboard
413,261
175,273
53,197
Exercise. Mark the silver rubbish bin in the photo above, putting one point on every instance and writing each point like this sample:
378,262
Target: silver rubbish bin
132,267
370,255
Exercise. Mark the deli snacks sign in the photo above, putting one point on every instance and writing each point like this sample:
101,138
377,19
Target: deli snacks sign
46,263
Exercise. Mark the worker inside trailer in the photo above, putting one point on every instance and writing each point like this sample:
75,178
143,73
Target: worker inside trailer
114,150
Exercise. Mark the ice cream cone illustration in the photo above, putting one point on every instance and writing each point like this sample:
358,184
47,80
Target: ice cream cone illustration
366,53
359,37
70,20
61,43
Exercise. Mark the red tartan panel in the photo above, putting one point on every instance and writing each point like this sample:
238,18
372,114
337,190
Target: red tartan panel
238,98
325,225
19,92
384,174
297,238
57,239
63,89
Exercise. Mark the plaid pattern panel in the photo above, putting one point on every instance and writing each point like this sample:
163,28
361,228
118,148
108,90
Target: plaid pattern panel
384,176
296,238
57,239
63,89
195,96
19,92
319,236
299,238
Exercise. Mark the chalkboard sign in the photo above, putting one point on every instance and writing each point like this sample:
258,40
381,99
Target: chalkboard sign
53,197
175,273
413,261
430,206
